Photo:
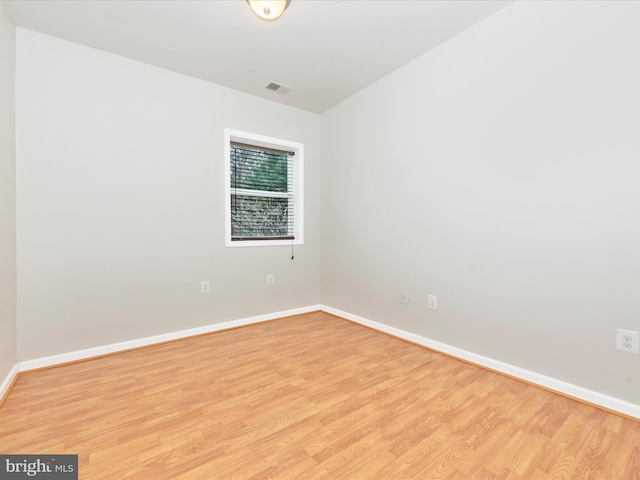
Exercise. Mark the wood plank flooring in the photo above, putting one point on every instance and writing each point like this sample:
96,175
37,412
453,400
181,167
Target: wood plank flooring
312,396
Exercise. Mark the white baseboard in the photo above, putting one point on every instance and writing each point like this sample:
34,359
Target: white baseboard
560,386
8,381
143,342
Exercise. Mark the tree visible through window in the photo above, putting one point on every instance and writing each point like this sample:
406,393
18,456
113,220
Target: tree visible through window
260,194
263,195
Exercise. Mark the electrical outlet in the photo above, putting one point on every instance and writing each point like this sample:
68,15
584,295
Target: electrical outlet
628,340
271,279
205,286
404,297
433,302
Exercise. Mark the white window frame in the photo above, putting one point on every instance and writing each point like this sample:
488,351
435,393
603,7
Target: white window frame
231,135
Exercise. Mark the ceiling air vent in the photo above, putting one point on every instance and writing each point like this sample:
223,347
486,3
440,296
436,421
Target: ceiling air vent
276,87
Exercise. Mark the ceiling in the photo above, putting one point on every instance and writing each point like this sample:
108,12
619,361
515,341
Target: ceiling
325,50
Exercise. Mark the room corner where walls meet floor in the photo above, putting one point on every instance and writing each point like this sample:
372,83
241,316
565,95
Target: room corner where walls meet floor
597,399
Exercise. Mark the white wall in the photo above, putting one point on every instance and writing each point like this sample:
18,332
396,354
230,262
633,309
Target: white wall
7,197
500,171
121,201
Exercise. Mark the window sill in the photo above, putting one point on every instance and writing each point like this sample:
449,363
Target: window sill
263,243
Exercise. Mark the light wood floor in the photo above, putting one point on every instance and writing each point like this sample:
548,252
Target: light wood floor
311,396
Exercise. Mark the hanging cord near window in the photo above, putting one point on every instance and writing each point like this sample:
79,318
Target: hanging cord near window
292,257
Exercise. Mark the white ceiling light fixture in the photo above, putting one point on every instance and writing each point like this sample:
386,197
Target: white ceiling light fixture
268,10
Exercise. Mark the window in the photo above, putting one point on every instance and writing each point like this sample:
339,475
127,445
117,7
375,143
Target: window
263,194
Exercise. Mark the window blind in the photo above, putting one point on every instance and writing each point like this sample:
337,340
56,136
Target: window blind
262,193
